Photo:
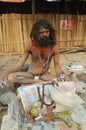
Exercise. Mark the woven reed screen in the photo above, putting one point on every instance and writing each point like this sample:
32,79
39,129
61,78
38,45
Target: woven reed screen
15,30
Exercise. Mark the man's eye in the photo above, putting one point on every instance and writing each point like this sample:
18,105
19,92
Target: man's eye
44,32
47,31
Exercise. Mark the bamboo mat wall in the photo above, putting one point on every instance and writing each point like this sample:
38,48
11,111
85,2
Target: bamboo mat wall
15,30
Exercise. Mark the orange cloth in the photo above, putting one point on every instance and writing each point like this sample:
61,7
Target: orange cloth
12,0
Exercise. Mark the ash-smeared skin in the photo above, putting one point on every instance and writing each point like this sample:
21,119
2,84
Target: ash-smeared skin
42,32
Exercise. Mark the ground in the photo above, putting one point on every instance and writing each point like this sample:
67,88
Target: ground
8,61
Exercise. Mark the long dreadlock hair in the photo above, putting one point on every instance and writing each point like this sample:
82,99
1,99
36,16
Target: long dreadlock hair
34,35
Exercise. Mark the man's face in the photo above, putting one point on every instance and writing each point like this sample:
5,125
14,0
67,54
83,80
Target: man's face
43,32
44,37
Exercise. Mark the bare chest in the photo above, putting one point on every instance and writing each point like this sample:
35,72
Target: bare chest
41,54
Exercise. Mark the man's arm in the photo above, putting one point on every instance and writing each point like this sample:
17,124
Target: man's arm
20,63
56,61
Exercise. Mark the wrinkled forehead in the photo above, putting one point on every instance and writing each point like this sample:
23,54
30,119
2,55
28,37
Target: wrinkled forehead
43,29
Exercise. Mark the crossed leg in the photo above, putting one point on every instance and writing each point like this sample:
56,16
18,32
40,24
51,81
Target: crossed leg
28,77
21,78
47,77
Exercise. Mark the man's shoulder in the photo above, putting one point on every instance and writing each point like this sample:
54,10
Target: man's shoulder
55,48
55,45
29,46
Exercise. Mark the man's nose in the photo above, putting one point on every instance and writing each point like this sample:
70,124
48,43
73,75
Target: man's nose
44,33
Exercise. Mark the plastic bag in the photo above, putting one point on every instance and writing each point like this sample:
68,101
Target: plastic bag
64,98
79,115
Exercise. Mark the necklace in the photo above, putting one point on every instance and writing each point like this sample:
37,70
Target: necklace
44,65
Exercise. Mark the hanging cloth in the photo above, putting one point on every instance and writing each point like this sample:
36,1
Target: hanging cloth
12,1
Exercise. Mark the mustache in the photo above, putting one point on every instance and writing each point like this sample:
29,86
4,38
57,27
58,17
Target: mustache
45,41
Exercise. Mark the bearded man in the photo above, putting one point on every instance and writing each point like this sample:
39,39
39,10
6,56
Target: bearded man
42,48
